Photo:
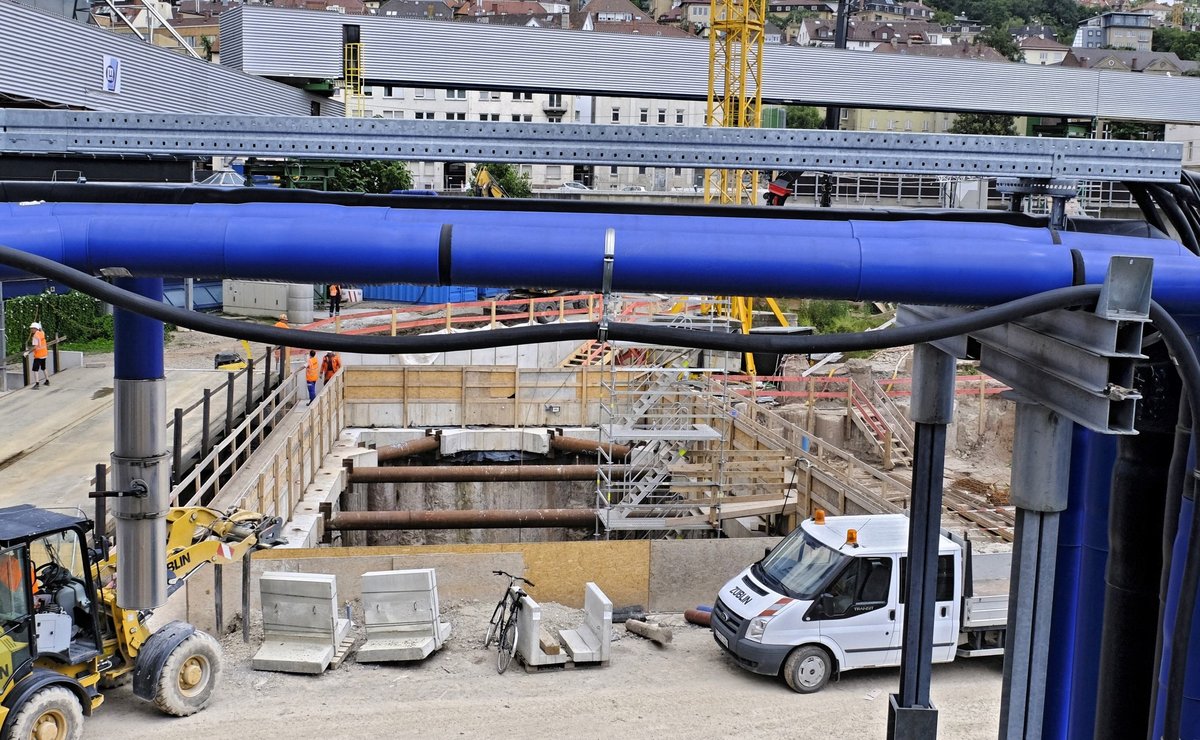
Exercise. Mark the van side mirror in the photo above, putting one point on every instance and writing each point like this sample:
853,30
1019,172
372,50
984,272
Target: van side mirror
767,551
825,605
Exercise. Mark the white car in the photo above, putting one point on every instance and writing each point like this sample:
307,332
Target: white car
574,185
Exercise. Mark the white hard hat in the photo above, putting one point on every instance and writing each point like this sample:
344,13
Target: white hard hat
283,317
35,325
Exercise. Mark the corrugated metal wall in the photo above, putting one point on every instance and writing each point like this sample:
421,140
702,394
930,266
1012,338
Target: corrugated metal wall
50,58
281,42
427,294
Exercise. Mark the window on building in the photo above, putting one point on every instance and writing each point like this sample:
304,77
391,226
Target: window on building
678,171
872,124
679,116
393,91
423,115
845,114
553,172
641,170
368,91
891,125
489,116
554,100
526,96
392,114
616,115
554,119
456,95
644,115
908,125
489,95
612,169
662,115
525,169
425,93
456,116
519,117
925,126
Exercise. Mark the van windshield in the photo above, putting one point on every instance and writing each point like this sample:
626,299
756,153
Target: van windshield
800,565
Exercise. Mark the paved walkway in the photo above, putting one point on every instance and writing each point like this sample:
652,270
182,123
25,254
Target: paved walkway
52,438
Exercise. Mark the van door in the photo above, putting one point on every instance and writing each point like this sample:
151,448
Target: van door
945,609
857,612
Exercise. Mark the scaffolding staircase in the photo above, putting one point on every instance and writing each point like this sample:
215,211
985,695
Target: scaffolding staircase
883,422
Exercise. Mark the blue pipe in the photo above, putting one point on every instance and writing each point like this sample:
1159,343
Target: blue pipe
1060,659
914,261
1190,719
138,340
1092,457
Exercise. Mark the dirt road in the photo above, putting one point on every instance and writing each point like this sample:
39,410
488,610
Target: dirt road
688,689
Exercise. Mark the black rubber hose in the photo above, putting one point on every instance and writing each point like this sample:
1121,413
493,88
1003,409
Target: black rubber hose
1146,204
1176,477
1176,216
929,331
1184,356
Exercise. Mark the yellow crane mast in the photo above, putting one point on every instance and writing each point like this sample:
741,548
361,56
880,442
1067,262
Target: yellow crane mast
735,51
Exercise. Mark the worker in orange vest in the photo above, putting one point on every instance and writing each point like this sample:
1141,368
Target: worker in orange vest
335,299
311,374
37,340
281,353
330,364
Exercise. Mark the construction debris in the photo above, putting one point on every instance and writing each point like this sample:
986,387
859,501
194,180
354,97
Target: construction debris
653,631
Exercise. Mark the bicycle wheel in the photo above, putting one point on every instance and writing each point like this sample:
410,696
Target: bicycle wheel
506,645
494,625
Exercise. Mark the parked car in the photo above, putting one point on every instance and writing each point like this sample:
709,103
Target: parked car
633,189
574,185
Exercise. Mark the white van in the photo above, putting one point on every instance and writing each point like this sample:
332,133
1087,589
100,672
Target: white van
828,599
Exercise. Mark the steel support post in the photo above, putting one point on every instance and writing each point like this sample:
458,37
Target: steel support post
140,452
910,713
3,344
1040,477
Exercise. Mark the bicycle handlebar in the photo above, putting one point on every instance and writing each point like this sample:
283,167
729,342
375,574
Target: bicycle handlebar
515,578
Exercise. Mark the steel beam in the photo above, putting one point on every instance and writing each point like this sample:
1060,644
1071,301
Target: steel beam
47,131
455,519
484,473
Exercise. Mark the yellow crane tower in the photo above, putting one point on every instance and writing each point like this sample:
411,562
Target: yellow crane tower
352,71
735,50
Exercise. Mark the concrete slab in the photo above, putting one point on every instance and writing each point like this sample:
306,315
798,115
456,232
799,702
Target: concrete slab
395,649
292,656
676,584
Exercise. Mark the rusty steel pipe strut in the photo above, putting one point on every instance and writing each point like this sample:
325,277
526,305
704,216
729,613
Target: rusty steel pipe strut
456,519
588,446
409,448
482,473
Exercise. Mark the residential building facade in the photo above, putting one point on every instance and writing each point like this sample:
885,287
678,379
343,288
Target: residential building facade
1117,31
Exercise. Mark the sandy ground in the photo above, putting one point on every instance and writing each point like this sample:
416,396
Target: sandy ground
689,688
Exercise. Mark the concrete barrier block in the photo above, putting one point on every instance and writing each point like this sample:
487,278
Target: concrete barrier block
301,628
401,614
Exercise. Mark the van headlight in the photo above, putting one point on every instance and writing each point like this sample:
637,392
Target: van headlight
757,627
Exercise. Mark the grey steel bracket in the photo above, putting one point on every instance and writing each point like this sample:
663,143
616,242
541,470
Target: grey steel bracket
610,256
1057,190
1079,364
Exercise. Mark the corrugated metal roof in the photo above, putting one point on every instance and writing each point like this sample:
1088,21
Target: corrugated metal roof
53,59
466,55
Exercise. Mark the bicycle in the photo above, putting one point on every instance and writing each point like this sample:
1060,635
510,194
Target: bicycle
503,624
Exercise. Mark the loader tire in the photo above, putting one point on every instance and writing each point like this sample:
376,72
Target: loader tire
189,676
52,713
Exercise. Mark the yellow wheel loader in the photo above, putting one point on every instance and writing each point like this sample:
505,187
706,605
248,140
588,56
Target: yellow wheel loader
65,639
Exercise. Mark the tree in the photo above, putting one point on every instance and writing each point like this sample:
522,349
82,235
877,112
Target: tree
1185,44
516,184
999,39
371,176
804,116
985,124
1135,131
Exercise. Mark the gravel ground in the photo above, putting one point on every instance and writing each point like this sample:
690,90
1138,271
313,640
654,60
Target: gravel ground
688,688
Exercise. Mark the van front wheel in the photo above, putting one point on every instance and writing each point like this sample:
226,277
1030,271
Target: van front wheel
808,669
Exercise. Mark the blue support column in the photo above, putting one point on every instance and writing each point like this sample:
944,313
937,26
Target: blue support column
140,459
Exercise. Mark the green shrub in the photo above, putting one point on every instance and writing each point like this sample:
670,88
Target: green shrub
77,317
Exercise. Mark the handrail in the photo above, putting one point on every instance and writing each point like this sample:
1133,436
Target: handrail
226,452
867,412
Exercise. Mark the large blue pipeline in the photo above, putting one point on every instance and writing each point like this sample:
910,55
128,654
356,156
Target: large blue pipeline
923,261
931,262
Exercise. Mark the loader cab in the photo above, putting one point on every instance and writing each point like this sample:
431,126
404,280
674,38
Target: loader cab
50,616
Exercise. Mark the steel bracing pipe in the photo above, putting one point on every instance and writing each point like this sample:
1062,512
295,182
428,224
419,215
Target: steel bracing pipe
455,519
412,447
575,445
483,473
140,458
